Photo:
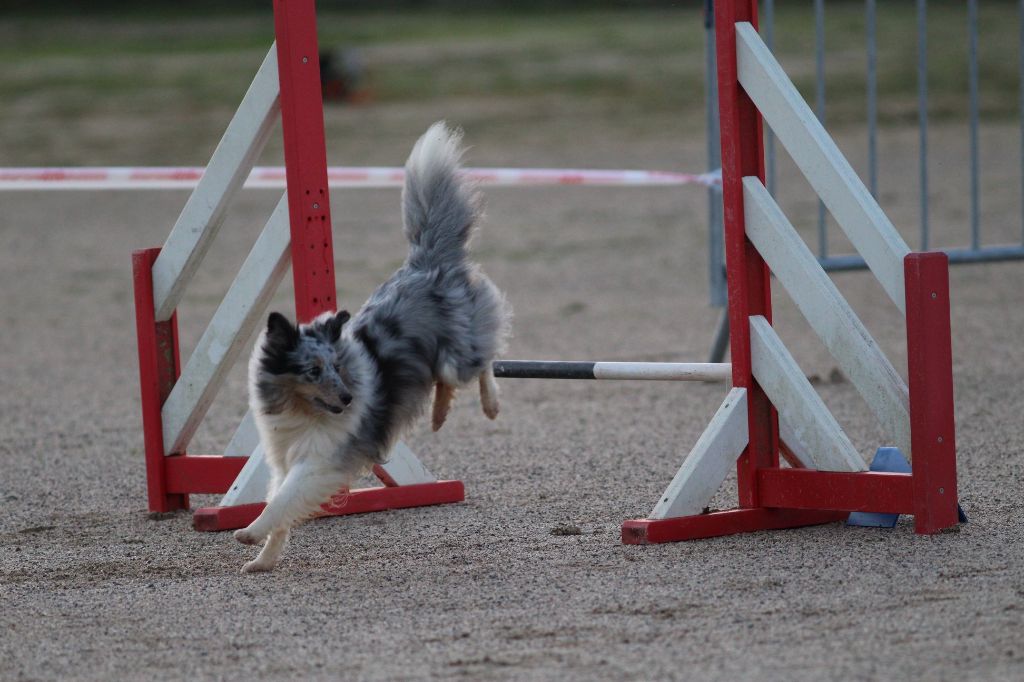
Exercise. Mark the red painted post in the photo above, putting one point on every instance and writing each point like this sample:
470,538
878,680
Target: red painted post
159,368
302,120
749,291
930,370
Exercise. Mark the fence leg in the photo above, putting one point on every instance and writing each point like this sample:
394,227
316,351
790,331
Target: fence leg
930,370
159,368
305,155
749,288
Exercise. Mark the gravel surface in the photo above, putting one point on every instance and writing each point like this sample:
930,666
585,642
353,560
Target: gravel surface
527,578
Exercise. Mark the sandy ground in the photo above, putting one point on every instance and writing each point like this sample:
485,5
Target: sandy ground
91,587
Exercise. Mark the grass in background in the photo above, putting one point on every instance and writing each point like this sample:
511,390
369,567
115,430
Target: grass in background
143,89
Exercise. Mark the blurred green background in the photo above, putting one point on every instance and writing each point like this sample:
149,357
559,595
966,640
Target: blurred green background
109,82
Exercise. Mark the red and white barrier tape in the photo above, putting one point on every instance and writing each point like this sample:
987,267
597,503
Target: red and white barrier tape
268,177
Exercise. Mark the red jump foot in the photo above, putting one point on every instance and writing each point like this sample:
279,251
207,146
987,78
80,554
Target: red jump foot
650,531
360,501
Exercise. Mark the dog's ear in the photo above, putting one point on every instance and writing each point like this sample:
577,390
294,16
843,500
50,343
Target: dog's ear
280,340
281,331
335,324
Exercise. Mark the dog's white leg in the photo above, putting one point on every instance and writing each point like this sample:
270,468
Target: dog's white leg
270,554
272,548
303,490
443,397
489,393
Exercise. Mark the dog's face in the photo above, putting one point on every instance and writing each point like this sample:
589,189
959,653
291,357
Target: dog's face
308,362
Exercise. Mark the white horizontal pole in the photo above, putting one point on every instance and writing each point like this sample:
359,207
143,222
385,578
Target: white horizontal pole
821,162
644,371
201,218
664,371
828,313
232,324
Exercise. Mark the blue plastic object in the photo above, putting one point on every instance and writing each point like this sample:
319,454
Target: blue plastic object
891,460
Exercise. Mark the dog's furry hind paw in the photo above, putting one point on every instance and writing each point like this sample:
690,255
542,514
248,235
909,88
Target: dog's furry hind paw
246,537
443,397
490,408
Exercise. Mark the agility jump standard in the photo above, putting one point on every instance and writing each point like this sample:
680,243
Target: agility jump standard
768,383
174,398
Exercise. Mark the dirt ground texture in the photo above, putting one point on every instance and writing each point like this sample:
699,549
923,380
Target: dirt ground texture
92,587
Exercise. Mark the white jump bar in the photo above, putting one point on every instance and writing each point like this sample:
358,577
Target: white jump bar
646,371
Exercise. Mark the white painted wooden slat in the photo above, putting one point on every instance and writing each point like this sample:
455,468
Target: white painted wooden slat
821,162
251,483
237,152
797,402
796,446
828,313
232,324
245,438
405,468
709,462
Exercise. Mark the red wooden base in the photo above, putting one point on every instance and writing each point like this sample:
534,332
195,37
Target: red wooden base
359,501
730,522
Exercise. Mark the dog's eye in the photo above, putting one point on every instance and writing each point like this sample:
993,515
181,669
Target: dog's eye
314,372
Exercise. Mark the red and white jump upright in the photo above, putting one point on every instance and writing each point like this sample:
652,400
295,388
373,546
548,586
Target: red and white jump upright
827,479
174,398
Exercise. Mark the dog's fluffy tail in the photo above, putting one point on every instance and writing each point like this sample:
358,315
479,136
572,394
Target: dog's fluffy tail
439,207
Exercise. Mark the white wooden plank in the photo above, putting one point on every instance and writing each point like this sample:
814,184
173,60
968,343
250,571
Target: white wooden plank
796,446
405,468
241,145
828,313
231,325
821,162
797,402
709,462
251,483
245,438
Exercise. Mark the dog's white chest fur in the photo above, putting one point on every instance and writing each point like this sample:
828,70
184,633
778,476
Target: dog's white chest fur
292,436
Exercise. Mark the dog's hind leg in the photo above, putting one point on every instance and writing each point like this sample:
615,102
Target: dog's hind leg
489,393
443,397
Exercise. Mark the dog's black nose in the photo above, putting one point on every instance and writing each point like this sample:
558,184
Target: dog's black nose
346,399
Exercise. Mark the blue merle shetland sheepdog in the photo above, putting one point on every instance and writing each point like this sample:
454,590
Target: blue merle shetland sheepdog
331,397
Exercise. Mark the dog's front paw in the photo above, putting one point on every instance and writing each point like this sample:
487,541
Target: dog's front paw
257,566
247,537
